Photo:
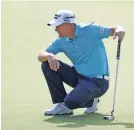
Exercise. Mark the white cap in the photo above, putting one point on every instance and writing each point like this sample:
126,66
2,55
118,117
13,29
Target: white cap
62,16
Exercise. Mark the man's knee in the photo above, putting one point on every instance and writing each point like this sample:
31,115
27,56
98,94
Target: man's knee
45,67
71,104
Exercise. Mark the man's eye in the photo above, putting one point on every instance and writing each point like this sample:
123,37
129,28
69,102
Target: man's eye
55,17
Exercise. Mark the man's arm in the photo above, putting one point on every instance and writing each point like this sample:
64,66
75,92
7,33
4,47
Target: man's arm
105,31
49,55
43,56
117,31
51,50
112,30
46,56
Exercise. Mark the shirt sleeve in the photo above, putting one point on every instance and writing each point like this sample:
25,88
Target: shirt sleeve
99,30
54,47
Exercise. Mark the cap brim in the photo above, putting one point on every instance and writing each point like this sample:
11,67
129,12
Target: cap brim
54,22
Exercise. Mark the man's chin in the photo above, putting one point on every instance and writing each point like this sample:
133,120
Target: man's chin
61,36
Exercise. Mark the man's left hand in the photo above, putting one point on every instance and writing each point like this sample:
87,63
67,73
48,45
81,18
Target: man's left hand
120,33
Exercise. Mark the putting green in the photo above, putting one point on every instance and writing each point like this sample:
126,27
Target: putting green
24,91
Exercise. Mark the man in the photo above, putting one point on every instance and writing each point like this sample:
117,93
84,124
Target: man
89,75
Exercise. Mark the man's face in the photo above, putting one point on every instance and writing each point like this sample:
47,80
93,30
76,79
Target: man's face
63,30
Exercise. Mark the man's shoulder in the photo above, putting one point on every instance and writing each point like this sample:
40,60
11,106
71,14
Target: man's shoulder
59,40
85,25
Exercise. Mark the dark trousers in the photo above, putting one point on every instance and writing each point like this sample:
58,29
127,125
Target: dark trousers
85,89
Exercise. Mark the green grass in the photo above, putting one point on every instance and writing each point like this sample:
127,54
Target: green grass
24,91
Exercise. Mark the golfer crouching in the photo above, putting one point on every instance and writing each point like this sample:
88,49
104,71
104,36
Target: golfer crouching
89,75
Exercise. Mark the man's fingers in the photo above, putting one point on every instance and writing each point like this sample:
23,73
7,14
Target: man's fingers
55,65
115,35
120,35
58,64
51,65
123,34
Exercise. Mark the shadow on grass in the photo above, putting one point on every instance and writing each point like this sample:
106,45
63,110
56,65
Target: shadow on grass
85,120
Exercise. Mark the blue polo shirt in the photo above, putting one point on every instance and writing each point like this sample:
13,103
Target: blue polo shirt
85,50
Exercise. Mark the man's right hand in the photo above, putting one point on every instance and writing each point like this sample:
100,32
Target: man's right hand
53,62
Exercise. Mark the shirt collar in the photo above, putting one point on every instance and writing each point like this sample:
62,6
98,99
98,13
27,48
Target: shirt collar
76,33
